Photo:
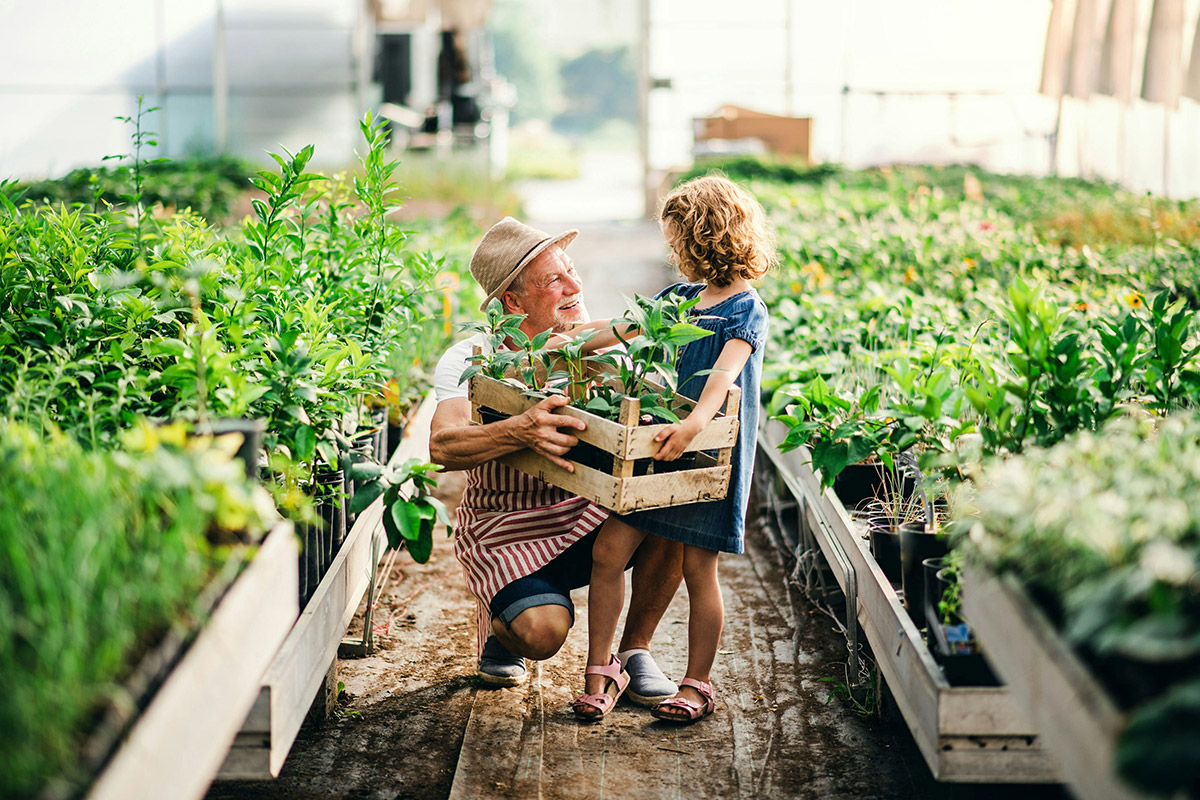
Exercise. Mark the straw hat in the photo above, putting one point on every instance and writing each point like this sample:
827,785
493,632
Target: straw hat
509,247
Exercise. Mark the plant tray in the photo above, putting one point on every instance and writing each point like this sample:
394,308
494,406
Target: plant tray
177,743
1072,712
967,734
626,448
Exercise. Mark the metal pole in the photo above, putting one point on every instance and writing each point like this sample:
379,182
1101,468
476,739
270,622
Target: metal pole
789,101
644,104
220,84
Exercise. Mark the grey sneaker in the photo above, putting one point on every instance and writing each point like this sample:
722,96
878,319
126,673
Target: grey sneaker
500,667
648,686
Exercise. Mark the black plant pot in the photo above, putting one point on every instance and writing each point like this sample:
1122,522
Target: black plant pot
311,555
917,545
379,437
331,486
931,587
885,546
363,448
394,434
858,484
953,644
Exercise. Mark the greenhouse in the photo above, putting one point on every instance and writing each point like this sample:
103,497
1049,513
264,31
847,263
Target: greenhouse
514,399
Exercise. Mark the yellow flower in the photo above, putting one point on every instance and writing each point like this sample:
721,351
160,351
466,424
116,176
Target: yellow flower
910,275
1134,299
796,287
1080,306
814,270
969,263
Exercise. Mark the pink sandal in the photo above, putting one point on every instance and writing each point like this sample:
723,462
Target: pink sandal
592,707
694,711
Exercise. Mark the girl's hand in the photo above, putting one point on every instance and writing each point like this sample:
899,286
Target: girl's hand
675,438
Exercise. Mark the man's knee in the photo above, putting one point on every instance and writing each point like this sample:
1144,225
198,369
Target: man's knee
537,632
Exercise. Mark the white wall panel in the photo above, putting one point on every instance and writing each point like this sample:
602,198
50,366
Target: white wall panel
262,59
328,121
290,13
67,45
189,33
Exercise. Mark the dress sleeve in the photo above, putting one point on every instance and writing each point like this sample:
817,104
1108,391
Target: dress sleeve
679,288
748,323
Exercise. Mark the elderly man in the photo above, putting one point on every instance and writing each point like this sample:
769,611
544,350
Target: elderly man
524,544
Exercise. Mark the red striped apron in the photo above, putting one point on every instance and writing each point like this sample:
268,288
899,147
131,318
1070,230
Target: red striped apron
510,525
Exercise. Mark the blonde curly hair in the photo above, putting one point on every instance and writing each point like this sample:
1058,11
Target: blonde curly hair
720,232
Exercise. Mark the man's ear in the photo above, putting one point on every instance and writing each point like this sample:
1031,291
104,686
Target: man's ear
511,303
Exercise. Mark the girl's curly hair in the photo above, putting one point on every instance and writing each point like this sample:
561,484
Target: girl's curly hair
720,230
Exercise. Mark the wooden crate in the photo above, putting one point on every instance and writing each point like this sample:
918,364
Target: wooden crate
966,734
1070,710
626,442
179,741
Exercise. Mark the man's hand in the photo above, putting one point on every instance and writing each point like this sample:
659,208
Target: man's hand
539,428
675,438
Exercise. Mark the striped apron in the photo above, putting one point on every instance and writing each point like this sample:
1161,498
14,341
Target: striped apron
510,525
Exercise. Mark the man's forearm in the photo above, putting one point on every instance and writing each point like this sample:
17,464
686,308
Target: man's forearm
468,446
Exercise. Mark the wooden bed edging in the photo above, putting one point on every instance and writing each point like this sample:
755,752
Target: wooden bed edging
1073,713
966,734
297,672
179,741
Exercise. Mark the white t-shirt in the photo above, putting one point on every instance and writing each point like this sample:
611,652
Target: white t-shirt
451,365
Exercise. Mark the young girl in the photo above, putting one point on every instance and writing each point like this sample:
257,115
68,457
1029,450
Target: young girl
719,240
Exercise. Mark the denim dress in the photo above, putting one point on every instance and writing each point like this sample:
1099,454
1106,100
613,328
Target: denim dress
717,524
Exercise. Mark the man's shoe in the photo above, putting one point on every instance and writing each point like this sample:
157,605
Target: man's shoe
500,667
648,686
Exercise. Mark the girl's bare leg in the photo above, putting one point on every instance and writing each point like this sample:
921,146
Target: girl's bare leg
706,615
615,545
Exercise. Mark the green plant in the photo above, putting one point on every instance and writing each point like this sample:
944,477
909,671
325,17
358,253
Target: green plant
652,333
140,138
1098,529
409,514
100,554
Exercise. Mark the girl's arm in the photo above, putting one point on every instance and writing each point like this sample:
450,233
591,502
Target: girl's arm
677,436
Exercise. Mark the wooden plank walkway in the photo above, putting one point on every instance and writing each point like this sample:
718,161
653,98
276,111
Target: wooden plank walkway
773,734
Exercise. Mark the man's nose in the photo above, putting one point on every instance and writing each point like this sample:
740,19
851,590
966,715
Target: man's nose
574,284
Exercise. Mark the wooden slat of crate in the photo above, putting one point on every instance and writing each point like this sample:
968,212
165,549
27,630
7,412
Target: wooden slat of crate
721,432
968,734
624,495
1075,716
498,396
178,743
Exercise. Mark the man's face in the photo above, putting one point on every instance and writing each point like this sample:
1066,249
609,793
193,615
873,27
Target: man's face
549,292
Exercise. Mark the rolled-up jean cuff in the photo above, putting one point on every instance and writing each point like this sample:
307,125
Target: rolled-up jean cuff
513,609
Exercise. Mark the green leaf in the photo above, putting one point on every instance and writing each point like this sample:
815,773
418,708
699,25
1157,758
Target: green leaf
364,470
407,516
306,443
421,548
443,515
365,495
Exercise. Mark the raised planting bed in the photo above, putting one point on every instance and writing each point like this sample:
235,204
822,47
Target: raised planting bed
297,672
614,467
177,744
1073,714
967,734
